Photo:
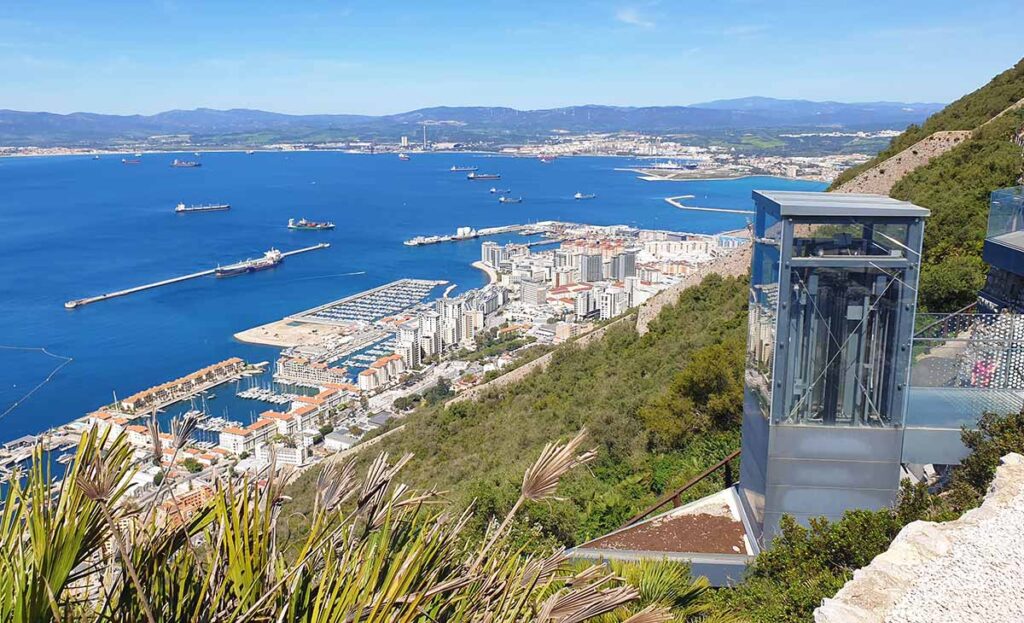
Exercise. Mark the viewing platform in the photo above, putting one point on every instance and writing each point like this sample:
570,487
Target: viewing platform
76,303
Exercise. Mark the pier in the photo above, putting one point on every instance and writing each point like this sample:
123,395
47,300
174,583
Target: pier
166,282
674,202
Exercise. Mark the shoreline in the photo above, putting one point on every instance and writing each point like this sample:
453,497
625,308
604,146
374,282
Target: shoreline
492,275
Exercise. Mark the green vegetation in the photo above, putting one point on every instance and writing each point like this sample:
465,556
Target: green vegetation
805,565
956,187
375,552
627,389
967,113
191,465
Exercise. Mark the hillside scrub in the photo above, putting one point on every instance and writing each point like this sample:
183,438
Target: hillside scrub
966,113
956,188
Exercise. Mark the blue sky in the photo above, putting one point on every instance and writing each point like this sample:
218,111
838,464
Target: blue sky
395,55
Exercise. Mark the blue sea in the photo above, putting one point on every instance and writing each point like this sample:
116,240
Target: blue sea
72,227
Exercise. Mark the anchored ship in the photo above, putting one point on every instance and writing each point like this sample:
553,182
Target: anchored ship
504,199
403,156
130,161
210,207
185,164
483,176
304,224
456,169
584,196
270,259
500,191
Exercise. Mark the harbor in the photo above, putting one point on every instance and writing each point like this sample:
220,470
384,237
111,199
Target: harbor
76,303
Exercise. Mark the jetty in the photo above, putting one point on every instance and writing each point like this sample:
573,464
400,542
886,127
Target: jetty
674,202
75,303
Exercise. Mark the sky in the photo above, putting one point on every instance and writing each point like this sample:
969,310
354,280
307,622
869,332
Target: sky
389,56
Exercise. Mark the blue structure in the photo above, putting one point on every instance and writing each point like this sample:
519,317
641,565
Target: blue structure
1004,252
832,303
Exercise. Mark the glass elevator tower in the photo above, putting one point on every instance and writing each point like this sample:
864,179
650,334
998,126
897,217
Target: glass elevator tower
833,293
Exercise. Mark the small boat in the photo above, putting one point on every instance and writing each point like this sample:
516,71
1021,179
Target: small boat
403,157
500,191
130,161
504,199
138,154
66,458
304,224
546,159
210,396
578,196
456,169
249,152
483,176
95,157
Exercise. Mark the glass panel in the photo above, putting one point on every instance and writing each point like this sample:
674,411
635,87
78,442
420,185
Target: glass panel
844,237
844,327
764,297
1006,211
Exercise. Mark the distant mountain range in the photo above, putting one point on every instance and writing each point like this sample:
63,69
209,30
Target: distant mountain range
473,123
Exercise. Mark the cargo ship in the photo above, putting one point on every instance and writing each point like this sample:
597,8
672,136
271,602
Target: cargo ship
185,164
130,161
500,191
270,259
181,208
403,156
456,169
584,196
304,224
504,199
483,176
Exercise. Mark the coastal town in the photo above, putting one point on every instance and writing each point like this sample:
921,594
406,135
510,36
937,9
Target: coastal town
657,157
349,369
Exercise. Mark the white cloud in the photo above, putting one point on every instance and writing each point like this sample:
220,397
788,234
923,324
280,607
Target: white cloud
631,16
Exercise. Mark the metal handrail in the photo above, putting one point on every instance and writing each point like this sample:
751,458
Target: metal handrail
674,497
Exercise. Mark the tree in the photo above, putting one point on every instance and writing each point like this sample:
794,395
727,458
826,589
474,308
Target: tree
158,478
192,466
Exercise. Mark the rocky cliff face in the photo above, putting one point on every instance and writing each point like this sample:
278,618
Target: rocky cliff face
964,571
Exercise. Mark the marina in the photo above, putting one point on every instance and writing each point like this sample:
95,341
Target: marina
76,303
372,305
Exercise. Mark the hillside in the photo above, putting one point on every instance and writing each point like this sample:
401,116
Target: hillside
966,113
449,122
954,182
660,408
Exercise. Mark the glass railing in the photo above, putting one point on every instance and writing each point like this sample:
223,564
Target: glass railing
1006,211
965,364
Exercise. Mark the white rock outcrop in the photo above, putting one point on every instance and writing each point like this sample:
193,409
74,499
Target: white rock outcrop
966,571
